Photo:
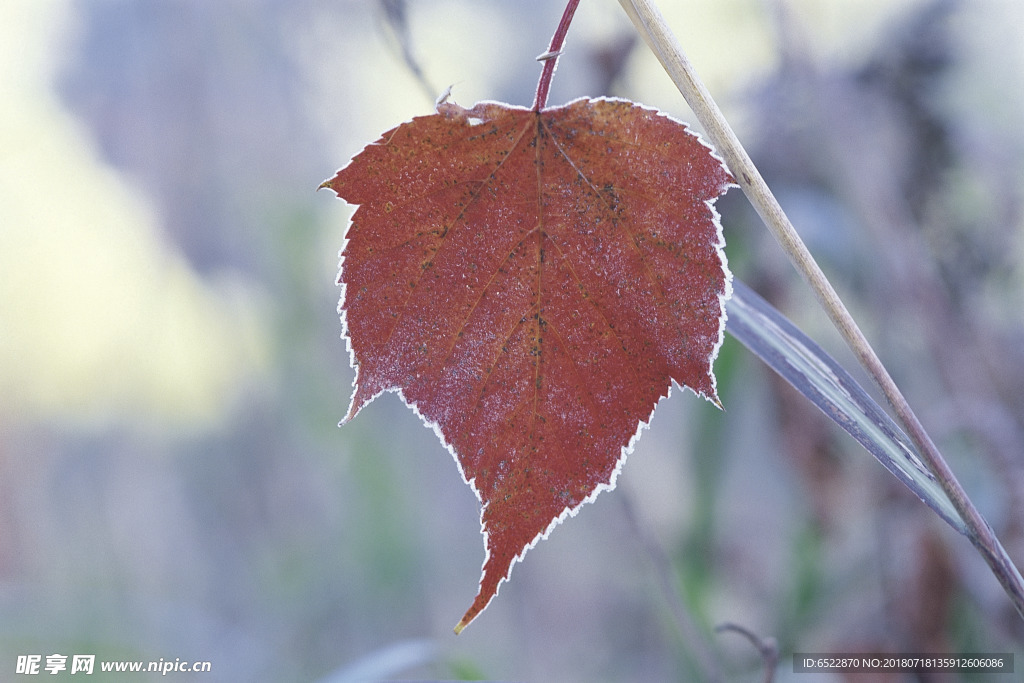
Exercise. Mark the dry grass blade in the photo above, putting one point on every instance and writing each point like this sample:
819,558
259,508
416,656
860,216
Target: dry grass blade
649,21
821,380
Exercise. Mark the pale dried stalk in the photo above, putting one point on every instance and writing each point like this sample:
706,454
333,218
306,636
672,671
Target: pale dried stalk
652,26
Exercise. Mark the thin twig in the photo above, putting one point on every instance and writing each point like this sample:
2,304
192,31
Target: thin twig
652,26
767,647
396,18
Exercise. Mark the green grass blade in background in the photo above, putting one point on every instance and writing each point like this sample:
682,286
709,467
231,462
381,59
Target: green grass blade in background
796,358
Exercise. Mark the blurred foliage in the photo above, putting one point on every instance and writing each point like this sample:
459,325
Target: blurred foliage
172,481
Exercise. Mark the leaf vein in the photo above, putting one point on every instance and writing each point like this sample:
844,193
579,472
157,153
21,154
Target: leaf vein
442,238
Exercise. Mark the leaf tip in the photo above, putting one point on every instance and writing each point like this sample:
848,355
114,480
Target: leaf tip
352,411
329,184
460,626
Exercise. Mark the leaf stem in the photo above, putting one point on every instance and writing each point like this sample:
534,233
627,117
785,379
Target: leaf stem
652,26
550,58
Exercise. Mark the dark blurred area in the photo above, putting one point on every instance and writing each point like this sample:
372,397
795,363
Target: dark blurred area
262,538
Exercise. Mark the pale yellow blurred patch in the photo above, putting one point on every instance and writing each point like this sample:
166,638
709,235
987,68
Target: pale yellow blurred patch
101,323
735,44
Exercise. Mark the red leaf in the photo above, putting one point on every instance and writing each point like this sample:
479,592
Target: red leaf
531,283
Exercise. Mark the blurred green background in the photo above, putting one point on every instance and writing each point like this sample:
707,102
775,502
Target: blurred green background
172,480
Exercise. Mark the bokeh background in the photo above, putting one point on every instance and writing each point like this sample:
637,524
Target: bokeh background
173,483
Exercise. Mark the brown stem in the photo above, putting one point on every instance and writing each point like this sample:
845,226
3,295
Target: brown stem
550,58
